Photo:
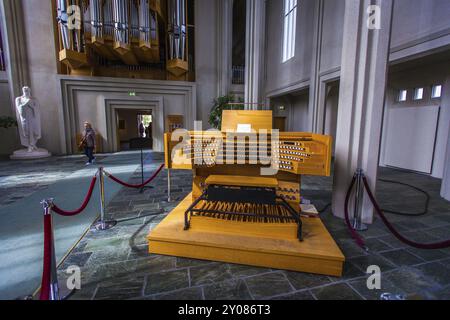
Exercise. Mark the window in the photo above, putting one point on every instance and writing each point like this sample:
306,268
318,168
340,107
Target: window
418,94
290,22
403,94
436,92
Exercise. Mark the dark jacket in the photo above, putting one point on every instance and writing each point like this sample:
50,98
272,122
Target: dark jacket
89,138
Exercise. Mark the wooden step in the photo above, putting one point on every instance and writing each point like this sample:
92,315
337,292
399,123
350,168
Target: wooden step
224,242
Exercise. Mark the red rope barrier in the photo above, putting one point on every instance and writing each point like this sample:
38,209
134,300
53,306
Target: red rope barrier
428,246
359,240
86,201
139,186
46,273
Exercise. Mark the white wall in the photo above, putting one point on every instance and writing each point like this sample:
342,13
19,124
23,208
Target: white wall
206,58
415,19
419,26
332,33
331,112
46,86
9,140
283,75
38,19
425,76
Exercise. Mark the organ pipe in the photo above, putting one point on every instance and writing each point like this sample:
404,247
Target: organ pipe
177,29
125,30
121,21
96,19
144,22
62,23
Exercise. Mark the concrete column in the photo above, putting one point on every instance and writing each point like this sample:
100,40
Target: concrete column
224,45
15,42
316,95
445,191
254,52
362,95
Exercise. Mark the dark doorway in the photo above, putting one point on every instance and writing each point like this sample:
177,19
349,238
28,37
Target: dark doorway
133,124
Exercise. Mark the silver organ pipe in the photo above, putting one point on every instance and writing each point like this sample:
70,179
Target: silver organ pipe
153,26
121,26
144,22
71,38
62,18
183,21
96,24
134,7
177,29
108,20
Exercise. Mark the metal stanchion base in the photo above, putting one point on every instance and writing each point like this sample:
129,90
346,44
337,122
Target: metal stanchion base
146,187
25,298
105,225
359,226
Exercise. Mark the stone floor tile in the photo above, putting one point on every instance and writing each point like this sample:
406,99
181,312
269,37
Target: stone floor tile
340,291
268,285
209,274
401,257
299,296
234,289
166,282
305,280
190,294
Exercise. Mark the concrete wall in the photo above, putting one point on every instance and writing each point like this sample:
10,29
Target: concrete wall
46,84
206,57
9,137
284,75
419,26
331,112
295,110
38,19
425,76
332,33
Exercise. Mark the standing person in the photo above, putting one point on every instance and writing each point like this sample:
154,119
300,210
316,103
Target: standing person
141,130
88,143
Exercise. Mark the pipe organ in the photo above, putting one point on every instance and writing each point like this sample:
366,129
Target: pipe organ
245,205
177,63
126,38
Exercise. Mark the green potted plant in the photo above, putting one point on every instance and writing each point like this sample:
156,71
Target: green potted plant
7,122
227,102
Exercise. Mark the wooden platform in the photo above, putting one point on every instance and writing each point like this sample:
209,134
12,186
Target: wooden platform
318,253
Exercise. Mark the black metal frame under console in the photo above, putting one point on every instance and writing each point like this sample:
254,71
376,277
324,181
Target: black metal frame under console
259,196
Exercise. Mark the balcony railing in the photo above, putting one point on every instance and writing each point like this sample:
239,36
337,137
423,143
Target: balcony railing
238,75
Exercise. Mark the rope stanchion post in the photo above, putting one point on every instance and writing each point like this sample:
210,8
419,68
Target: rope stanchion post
50,286
103,224
169,186
357,223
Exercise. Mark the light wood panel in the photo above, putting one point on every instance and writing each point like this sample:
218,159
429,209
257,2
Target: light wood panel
318,253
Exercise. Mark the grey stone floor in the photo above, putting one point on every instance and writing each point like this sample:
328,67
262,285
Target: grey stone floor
115,263
20,179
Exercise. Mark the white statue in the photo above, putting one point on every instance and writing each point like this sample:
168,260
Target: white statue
29,120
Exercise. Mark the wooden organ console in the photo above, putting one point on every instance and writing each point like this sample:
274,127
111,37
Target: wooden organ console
246,194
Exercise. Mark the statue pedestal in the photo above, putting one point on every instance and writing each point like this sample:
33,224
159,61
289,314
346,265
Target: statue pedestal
23,154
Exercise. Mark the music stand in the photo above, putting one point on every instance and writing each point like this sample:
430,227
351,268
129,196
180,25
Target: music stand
141,144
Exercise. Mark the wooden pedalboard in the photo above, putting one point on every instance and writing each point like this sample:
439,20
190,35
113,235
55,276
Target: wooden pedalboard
249,243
